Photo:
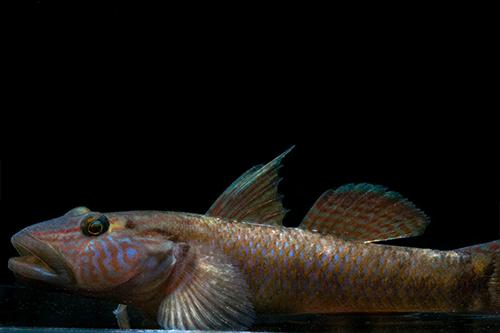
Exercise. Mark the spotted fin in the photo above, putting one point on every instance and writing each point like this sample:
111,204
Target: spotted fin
207,292
254,196
365,212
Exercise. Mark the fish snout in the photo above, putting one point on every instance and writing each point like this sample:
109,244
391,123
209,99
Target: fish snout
38,260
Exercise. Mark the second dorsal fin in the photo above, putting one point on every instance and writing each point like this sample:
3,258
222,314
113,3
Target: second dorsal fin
254,196
365,212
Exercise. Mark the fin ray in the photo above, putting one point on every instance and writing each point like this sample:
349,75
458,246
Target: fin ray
211,293
366,213
253,196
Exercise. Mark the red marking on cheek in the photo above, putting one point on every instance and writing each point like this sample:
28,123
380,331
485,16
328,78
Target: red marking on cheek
100,261
82,264
93,276
114,261
60,239
70,247
56,232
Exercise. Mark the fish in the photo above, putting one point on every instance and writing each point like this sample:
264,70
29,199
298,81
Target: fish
221,269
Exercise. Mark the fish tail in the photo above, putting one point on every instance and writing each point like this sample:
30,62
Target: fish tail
494,283
486,257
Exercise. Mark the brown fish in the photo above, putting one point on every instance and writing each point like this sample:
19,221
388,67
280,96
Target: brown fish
217,270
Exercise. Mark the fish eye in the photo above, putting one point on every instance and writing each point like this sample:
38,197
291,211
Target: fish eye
95,226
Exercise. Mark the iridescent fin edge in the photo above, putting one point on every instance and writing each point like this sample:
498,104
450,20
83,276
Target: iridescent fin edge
365,212
254,196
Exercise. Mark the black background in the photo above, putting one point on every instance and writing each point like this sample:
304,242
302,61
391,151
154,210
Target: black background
458,186
404,83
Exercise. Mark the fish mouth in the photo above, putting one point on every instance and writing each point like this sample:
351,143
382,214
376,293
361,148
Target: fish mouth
39,261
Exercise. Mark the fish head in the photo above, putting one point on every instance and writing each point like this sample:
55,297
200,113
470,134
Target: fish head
93,253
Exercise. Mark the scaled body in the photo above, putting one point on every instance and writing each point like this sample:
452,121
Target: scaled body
218,270
297,271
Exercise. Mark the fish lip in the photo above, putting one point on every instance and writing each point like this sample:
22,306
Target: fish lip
39,261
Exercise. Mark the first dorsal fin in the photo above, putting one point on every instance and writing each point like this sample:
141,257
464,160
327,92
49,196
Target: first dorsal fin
254,196
365,212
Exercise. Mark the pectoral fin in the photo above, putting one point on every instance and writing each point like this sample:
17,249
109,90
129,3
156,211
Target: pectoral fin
207,292
366,213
